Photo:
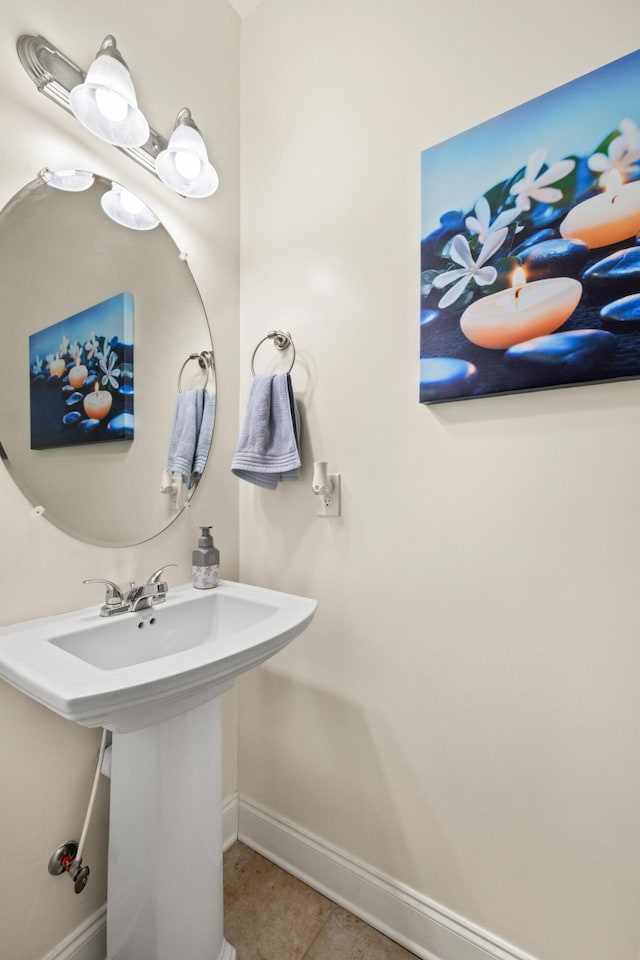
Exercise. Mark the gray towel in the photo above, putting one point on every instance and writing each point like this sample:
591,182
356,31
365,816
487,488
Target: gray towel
269,446
184,434
204,435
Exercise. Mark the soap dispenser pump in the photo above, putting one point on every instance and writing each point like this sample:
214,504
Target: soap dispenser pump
206,562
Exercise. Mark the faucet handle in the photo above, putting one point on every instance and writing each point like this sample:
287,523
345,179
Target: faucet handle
114,596
155,577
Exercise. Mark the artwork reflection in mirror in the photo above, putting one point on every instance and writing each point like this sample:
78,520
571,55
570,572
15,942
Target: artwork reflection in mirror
81,376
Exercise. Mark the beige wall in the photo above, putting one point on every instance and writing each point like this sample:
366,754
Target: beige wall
462,714
47,764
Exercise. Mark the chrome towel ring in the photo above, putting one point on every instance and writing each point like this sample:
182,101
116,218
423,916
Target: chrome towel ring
282,340
205,362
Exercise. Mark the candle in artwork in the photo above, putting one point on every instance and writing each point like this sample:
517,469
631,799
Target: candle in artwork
612,216
78,374
524,311
97,404
57,366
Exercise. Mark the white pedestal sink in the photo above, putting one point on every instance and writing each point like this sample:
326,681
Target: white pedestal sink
164,897
154,678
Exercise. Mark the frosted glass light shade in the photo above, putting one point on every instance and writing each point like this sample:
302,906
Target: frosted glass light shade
125,208
71,180
106,102
184,165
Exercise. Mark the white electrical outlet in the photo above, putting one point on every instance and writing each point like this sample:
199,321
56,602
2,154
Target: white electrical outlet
330,502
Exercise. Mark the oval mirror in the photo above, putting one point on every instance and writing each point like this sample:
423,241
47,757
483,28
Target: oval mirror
109,381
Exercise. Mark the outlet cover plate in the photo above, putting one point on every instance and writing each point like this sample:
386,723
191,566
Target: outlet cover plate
330,503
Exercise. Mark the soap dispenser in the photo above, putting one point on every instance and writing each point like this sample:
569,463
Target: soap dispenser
206,562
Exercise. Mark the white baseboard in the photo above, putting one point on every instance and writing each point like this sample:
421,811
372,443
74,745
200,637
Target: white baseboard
87,942
229,821
422,926
427,929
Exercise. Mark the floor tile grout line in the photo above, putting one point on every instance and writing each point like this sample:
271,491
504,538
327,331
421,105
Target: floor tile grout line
334,907
307,947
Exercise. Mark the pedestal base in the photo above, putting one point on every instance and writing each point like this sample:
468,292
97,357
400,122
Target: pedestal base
165,841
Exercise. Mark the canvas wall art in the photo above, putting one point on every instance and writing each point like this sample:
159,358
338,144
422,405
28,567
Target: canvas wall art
82,377
530,253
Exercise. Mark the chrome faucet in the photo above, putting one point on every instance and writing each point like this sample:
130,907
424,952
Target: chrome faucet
153,591
136,597
114,600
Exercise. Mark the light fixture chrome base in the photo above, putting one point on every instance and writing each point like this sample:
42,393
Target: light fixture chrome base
55,75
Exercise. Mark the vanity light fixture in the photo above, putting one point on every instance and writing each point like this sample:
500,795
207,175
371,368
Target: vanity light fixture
125,208
120,205
184,165
104,101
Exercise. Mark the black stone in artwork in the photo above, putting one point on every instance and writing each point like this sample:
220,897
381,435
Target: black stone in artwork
563,357
622,315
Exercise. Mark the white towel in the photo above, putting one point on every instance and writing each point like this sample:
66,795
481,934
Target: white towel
204,435
269,446
184,434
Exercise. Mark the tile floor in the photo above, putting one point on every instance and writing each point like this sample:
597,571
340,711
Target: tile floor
269,915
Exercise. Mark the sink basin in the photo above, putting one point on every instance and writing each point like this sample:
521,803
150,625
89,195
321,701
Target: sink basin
135,669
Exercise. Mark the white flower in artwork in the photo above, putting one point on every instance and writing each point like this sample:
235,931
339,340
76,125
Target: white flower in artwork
537,186
36,366
622,155
64,346
92,347
470,269
107,365
480,222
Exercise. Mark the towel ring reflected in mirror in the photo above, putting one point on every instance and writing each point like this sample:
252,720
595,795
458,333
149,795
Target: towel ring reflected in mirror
282,340
205,362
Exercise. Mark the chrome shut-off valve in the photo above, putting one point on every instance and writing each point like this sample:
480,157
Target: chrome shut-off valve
64,860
